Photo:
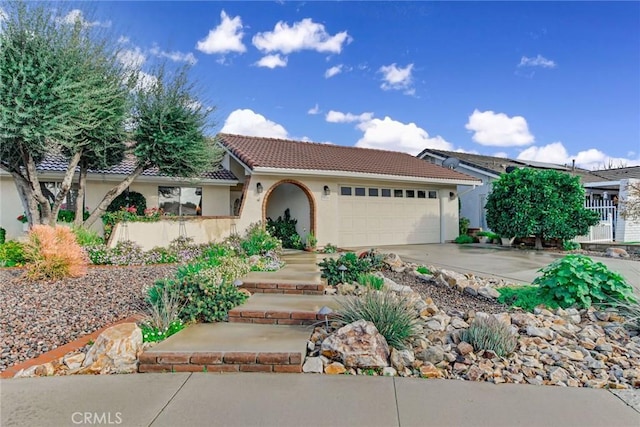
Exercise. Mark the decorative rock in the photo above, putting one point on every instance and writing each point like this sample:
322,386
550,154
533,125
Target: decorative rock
474,373
545,333
458,323
313,365
428,370
389,372
557,374
393,260
401,359
74,361
616,253
116,350
488,292
465,348
433,354
358,344
335,368
469,290
346,288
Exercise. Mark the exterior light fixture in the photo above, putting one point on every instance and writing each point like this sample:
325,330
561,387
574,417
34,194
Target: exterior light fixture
237,283
452,194
342,269
326,190
325,311
259,187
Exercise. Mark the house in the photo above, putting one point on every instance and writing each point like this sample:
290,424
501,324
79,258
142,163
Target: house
602,188
346,196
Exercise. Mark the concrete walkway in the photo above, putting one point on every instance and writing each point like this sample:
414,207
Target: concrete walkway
520,266
205,399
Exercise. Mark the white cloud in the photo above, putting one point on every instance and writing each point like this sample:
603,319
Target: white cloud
389,134
314,110
397,78
247,122
272,61
501,154
123,40
302,35
336,69
76,16
145,81
3,15
132,58
225,38
338,117
498,129
174,56
537,61
587,159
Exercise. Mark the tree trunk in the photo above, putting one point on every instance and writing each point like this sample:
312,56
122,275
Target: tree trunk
29,204
82,184
65,187
112,194
44,214
538,242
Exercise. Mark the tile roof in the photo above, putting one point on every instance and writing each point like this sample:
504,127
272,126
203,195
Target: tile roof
498,165
58,163
619,173
287,154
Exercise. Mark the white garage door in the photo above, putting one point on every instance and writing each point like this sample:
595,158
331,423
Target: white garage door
387,216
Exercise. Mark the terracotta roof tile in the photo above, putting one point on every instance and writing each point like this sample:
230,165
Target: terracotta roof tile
288,154
58,163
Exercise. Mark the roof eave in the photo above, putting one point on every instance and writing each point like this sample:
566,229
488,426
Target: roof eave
361,175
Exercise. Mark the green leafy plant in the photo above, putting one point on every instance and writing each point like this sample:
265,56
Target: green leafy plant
392,314
525,297
153,334
423,270
86,237
463,239
490,235
127,199
353,265
3,235
53,253
12,254
489,333
258,241
330,249
570,245
371,281
110,219
312,241
162,314
284,228
578,280
463,225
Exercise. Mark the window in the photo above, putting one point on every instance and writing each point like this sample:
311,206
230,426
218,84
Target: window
386,192
360,191
373,192
433,194
398,193
345,191
411,194
422,194
180,200
51,190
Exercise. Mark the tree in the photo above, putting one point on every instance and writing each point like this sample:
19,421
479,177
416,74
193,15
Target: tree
60,93
630,205
541,203
168,133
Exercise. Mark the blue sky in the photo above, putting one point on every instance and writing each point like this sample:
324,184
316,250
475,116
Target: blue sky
546,81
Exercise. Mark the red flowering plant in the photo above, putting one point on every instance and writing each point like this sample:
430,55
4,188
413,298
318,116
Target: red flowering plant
23,218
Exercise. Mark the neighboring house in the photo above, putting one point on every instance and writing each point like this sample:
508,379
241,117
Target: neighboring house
345,195
602,187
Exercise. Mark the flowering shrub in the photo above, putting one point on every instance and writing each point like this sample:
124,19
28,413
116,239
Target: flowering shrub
22,218
127,213
153,334
258,241
53,253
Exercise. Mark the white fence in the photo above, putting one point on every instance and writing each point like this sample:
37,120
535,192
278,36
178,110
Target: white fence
605,230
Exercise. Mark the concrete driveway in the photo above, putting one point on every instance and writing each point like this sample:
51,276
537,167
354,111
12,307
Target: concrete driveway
516,265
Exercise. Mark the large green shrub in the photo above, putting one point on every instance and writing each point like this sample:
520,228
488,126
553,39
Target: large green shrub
258,241
392,314
12,254
285,230
489,333
354,267
578,280
541,203
463,239
525,297
3,235
86,237
127,199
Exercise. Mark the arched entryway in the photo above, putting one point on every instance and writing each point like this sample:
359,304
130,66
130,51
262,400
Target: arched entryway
295,196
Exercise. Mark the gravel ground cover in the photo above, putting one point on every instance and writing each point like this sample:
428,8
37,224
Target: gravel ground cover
36,317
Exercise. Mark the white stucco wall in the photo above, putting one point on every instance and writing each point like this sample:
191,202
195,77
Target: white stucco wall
10,208
290,196
627,230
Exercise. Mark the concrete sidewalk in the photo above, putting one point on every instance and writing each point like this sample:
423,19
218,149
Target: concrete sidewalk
205,399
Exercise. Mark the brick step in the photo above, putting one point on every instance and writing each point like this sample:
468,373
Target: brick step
229,347
284,288
282,309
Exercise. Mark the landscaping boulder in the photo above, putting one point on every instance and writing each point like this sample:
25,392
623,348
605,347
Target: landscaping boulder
394,262
357,345
116,350
616,253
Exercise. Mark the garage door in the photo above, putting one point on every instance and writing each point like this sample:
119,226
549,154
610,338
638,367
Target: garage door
387,216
